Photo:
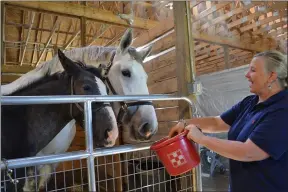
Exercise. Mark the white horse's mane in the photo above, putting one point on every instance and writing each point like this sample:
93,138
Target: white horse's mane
95,53
90,55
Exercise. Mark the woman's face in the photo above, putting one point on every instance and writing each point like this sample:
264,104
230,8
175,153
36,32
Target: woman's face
257,76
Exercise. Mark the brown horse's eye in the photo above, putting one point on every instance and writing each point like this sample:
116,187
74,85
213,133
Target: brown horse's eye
86,87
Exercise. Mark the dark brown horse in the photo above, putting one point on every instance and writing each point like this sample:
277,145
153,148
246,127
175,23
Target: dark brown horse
27,129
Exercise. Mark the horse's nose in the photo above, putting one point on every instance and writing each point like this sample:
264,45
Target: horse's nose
111,137
145,131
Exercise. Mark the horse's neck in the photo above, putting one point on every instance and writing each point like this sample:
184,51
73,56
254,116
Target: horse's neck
53,87
50,118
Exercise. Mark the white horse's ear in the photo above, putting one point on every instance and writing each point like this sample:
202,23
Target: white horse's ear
145,52
102,68
125,42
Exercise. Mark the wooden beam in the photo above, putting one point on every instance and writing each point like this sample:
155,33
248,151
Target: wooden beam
2,34
186,67
102,30
55,26
209,11
83,31
83,11
226,57
16,69
168,27
229,42
8,78
227,16
71,40
264,21
28,35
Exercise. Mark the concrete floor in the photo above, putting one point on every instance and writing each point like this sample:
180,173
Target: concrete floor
217,183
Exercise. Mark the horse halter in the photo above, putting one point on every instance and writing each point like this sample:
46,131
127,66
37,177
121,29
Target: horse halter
79,107
124,105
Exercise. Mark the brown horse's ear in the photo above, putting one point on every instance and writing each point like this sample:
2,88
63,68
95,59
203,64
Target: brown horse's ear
69,66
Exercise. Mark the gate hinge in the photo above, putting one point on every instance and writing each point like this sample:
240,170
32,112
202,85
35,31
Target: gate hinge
195,88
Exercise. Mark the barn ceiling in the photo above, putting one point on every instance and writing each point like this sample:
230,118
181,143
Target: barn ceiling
33,30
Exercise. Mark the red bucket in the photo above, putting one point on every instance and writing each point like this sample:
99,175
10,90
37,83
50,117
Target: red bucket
177,154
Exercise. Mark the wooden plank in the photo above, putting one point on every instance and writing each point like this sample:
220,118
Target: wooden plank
209,11
8,78
164,104
16,69
227,15
262,22
269,28
169,114
278,32
229,42
84,11
162,74
163,44
2,36
273,7
163,27
164,87
164,60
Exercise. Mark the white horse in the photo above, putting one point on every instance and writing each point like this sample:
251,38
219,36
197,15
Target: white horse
125,75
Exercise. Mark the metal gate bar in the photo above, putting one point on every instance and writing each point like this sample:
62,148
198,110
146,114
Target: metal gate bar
89,154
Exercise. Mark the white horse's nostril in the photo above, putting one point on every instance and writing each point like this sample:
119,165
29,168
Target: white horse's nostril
148,134
145,130
110,134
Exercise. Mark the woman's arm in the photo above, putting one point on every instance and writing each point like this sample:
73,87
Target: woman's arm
236,150
210,124
206,124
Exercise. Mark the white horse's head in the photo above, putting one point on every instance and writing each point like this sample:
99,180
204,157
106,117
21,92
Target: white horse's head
126,76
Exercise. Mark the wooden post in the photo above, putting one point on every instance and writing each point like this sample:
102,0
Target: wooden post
2,38
184,44
185,59
226,57
83,31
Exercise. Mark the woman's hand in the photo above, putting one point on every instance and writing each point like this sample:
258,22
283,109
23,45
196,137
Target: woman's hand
178,128
194,133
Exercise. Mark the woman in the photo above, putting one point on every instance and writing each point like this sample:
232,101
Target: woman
257,126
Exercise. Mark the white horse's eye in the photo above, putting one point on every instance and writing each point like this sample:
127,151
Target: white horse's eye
126,73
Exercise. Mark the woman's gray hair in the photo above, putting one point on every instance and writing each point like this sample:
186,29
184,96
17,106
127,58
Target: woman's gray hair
275,61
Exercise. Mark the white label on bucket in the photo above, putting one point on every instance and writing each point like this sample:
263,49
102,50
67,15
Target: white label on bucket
177,158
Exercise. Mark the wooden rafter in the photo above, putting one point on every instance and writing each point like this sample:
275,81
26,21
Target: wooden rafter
269,28
102,31
209,11
71,39
55,26
115,38
21,34
264,21
226,16
83,11
27,37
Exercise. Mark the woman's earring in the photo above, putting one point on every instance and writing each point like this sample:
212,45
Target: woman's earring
269,86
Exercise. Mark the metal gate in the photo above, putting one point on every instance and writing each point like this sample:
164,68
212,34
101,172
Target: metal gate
121,168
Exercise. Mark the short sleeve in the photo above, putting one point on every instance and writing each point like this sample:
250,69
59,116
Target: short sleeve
231,114
271,135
